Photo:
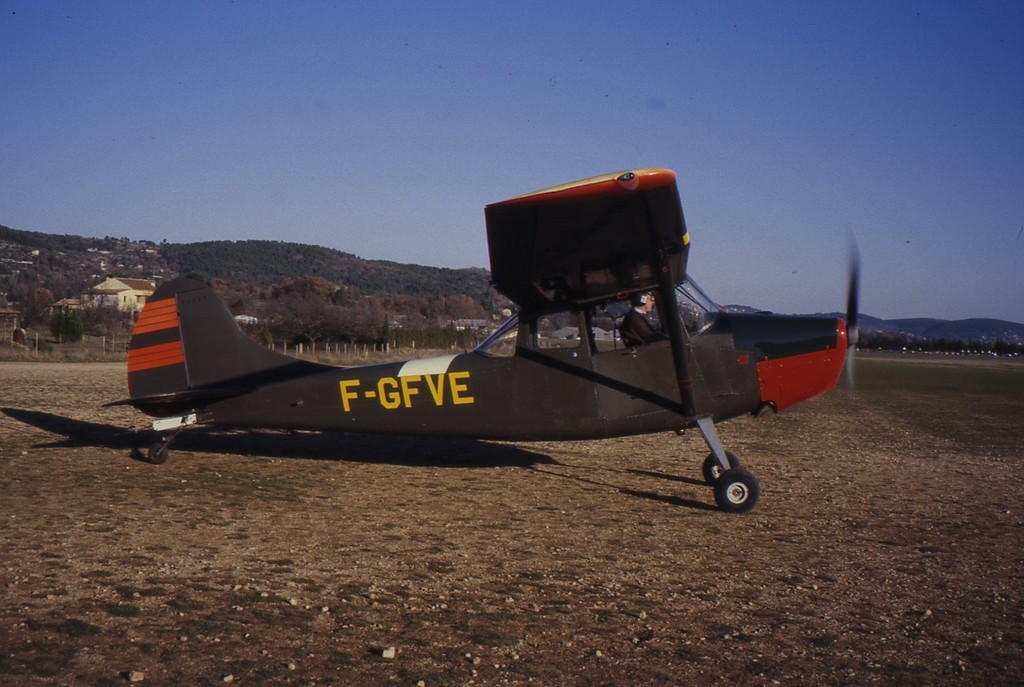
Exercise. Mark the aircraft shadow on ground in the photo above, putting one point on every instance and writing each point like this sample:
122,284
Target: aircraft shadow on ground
362,448
649,495
666,476
356,448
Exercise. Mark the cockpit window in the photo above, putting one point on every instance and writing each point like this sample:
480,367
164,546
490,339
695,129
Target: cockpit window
558,330
502,341
561,329
696,309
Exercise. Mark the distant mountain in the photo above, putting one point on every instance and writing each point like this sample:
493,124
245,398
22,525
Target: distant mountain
972,329
67,264
271,262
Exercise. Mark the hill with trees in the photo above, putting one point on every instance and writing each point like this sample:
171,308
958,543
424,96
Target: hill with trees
76,261
295,291
311,293
272,262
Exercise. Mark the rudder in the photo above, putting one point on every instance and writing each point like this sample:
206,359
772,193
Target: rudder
186,349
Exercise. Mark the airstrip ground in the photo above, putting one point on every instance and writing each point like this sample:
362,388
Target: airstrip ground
888,546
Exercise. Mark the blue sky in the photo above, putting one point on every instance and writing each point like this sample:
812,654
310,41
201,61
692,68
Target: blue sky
382,129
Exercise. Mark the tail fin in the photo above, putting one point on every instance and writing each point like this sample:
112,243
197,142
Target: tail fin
187,350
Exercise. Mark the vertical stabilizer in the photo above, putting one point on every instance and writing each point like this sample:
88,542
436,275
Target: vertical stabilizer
186,349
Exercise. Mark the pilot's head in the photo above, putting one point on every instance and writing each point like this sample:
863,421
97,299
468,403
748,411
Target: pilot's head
643,300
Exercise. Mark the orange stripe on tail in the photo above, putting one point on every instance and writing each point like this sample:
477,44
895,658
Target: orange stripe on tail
157,315
159,355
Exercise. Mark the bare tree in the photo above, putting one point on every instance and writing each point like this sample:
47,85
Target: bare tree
37,302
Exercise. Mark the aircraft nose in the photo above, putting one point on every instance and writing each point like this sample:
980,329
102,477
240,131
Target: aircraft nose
797,357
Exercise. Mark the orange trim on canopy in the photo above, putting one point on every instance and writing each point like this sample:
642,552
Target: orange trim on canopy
606,184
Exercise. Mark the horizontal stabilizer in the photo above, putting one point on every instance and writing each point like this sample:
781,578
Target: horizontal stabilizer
171,402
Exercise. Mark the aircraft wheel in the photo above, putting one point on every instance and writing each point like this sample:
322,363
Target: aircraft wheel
159,453
737,491
713,469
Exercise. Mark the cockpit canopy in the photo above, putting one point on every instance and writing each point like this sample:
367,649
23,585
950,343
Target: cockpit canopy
561,327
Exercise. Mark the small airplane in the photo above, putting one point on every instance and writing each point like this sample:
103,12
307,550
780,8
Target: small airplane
574,259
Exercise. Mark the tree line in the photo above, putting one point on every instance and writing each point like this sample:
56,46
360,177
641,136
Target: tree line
351,300
310,311
889,341
314,311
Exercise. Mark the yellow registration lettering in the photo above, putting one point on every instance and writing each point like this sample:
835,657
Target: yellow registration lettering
408,391
387,393
459,389
435,384
348,387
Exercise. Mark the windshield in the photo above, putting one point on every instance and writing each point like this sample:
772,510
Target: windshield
696,308
501,343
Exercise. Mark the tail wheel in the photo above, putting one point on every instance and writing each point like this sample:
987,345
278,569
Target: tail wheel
159,453
737,491
712,469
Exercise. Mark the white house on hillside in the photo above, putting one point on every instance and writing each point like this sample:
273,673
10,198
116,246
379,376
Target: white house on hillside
126,294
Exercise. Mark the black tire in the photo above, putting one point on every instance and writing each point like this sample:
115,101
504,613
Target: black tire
713,470
737,491
159,453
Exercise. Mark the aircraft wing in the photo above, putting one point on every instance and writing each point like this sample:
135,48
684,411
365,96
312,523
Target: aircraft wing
588,239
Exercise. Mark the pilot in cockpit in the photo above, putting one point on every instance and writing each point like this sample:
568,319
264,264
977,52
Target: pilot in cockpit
635,329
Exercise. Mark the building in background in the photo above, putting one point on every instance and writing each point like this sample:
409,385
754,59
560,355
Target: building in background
122,292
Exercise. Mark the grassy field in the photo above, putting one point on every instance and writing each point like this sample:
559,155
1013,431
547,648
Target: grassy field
887,548
972,402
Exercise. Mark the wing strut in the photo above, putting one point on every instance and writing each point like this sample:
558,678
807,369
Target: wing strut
677,335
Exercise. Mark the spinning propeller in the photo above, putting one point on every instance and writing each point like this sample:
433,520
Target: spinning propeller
852,303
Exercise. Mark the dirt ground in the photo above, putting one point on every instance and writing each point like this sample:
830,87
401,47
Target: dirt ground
886,549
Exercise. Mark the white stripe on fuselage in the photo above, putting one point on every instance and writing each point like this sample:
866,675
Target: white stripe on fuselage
426,366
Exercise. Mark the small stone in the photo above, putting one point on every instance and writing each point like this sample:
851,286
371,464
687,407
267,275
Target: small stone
388,653
290,665
293,601
228,678
136,676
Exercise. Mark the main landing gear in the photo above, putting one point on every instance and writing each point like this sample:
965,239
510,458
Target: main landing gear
160,451
736,489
